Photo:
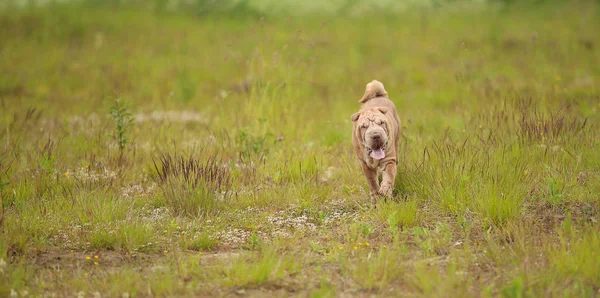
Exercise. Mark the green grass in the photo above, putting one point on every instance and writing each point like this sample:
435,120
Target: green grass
238,175
378,271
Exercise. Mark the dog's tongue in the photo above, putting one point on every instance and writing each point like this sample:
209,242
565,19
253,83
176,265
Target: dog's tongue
378,154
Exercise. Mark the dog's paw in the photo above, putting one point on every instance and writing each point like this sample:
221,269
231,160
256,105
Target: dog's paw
385,190
374,196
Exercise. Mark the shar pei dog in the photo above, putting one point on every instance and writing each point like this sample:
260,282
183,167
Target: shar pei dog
375,136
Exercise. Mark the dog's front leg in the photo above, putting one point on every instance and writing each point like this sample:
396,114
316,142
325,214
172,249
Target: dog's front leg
371,175
387,183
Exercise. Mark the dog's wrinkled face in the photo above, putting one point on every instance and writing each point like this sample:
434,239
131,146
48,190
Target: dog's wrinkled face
373,131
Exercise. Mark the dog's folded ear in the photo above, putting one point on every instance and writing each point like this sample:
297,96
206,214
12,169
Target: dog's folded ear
355,116
383,110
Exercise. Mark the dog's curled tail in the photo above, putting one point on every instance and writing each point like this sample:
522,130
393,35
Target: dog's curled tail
374,89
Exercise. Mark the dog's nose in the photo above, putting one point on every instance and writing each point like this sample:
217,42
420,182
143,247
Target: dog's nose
376,137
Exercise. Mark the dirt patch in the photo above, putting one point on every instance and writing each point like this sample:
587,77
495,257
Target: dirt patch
73,259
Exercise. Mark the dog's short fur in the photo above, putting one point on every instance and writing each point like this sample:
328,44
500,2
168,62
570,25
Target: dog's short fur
375,136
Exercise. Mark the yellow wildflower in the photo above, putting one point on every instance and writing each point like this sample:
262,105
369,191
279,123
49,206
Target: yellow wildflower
95,257
67,174
88,258
96,263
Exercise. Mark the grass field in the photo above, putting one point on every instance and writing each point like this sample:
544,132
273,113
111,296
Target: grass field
152,153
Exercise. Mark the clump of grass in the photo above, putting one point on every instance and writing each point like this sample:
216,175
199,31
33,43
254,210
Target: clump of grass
187,199
193,170
202,243
430,281
497,206
266,266
397,215
433,241
130,236
103,240
325,289
534,126
378,271
192,186
515,288
577,258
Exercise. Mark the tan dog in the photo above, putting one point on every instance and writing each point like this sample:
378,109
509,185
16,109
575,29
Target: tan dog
375,136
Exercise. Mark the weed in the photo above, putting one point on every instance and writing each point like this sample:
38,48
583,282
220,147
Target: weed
47,164
4,182
253,146
435,241
120,114
254,241
187,89
366,229
555,195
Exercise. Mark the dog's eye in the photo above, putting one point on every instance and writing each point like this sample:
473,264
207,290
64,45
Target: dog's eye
365,125
378,122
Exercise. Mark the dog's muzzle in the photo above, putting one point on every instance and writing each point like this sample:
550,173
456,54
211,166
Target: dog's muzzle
369,150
